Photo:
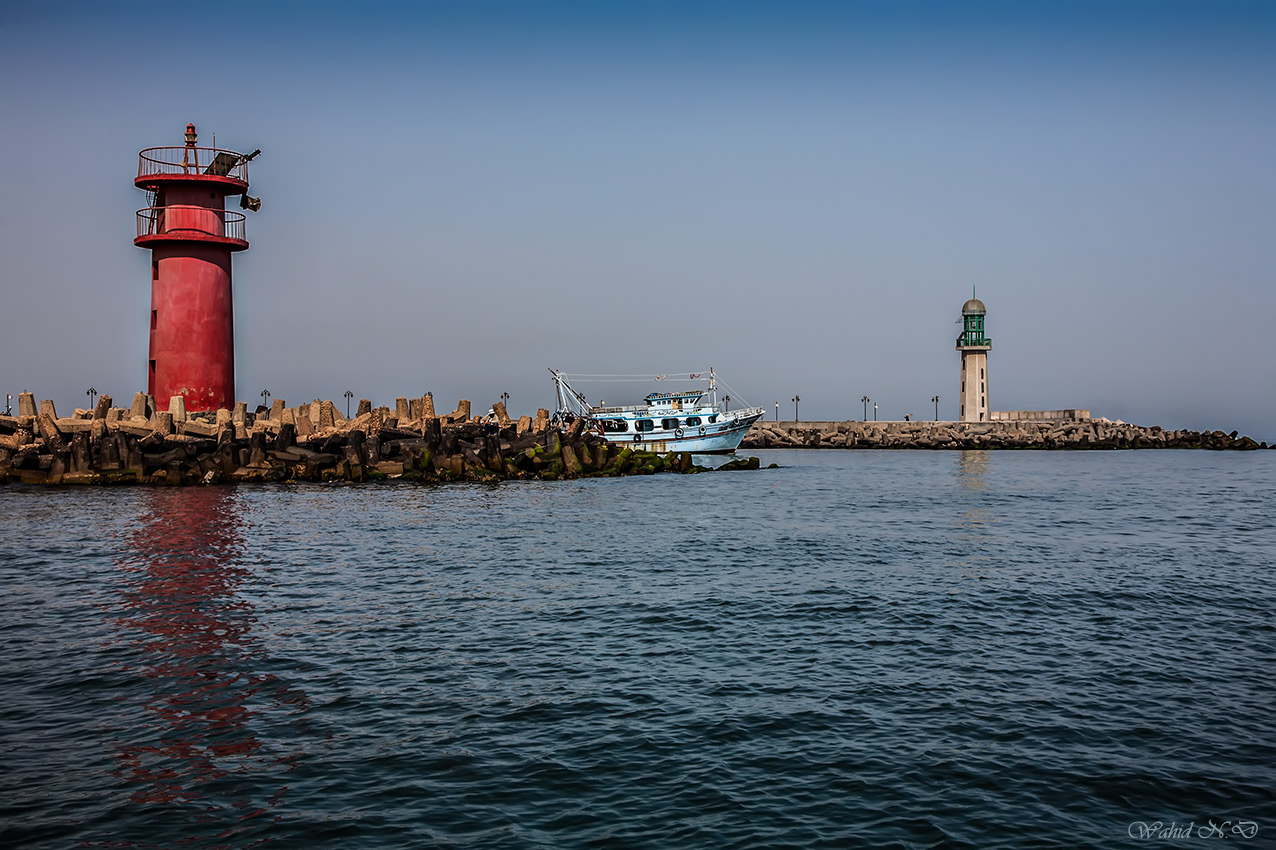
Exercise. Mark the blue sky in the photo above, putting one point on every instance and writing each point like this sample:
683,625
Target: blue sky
459,195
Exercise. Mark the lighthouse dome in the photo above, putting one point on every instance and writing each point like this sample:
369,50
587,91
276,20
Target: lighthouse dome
973,307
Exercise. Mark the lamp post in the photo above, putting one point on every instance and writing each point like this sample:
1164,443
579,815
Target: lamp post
505,399
91,392
8,400
796,399
727,399
866,400
936,400
265,398
777,411
349,395
874,411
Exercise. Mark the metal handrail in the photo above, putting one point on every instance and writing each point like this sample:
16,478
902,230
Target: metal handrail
178,220
184,159
983,340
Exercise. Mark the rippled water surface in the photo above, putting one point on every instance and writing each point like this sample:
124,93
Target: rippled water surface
912,649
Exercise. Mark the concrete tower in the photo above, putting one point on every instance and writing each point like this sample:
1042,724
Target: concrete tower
974,347
191,236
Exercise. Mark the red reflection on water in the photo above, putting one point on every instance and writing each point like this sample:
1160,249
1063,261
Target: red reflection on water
185,615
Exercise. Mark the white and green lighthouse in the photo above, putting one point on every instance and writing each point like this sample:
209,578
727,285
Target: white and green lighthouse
974,347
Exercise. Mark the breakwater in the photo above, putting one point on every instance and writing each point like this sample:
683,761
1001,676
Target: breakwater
311,442
1026,434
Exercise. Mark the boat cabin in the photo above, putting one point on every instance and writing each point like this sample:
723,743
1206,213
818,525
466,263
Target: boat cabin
646,424
674,401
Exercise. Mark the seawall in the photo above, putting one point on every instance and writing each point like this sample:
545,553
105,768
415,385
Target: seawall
1024,434
311,442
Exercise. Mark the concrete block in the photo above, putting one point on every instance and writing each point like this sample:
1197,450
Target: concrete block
26,404
177,408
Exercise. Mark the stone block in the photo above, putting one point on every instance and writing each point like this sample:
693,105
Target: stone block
26,405
277,410
74,426
46,407
177,408
197,428
327,415
365,406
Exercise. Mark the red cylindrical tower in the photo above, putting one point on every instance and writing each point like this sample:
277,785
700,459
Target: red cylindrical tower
191,236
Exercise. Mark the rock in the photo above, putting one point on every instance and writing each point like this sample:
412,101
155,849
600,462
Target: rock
103,407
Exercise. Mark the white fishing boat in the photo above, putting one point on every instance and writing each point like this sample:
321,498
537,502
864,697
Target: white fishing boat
681,421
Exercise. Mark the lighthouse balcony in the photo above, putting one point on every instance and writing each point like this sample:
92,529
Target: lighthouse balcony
975,342
227,170
190,224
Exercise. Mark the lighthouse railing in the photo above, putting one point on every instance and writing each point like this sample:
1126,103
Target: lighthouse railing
197,221
184,160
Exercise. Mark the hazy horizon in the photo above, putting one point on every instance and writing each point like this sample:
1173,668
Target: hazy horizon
800,195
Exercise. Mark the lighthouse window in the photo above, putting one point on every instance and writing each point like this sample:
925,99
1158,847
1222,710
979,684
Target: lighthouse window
154,319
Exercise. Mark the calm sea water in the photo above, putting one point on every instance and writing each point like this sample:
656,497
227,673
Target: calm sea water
908,649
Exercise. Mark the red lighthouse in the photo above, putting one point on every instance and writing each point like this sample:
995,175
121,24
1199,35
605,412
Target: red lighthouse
191,235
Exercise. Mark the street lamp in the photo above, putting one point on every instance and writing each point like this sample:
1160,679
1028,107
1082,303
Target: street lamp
727,399
505,399
349,395
874,411
8,400
91,392
796,399
265,398
777,411
936,400
866,400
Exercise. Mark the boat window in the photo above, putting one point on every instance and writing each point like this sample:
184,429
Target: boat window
644,425
614,426
713,418
669,424
692,421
